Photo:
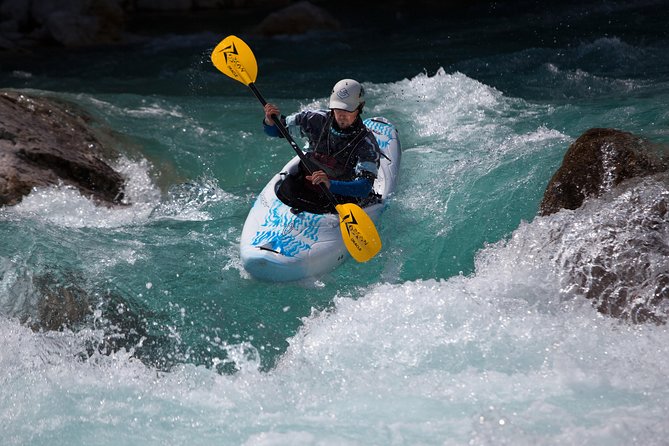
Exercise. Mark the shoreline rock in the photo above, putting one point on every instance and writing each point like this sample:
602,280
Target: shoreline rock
73,23
299,18
76,23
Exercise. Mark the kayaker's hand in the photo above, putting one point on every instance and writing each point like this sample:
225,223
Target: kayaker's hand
319,177
271,109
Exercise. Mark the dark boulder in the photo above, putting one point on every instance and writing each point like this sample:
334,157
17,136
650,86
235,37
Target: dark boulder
597,161
68,23
62,304
66,301
44,142
299,18
615,249
620,259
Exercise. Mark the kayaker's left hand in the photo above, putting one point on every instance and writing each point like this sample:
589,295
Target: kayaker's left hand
271,110
319,177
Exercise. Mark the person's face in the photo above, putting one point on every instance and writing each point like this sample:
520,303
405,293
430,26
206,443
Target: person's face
345,118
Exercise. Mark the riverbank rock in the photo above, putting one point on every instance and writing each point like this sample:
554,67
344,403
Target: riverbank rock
164,5
43,143
298,18
75,23
68,23
600,159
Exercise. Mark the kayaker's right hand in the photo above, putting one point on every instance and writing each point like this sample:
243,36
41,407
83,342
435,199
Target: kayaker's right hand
319,177
271,109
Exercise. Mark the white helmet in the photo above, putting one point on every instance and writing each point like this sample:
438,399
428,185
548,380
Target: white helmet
347,94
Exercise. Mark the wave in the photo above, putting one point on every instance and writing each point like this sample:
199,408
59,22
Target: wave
65,206
496,354
591,68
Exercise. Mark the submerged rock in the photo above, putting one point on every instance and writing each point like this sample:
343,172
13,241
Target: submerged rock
67,301
616,251
44,143
62,304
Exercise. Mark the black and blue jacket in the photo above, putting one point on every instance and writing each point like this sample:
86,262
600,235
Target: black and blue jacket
349,157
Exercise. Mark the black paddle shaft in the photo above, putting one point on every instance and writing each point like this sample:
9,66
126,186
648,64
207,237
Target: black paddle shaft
284,132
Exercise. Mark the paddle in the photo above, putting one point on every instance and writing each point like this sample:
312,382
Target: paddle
233,57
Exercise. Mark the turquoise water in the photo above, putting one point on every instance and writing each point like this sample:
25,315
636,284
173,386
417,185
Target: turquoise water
461,331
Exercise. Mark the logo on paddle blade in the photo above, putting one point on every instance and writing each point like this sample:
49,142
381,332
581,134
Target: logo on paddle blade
234,63
230,49
355,237
351,223
358,232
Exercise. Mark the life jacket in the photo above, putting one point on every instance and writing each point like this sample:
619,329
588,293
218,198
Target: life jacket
331,150
335,151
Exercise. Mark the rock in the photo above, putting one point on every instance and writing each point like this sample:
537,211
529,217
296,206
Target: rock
72,29
66,301
207,4
619,262
26,24
15,13
45,143
62,303
299,18
164,5
597,161
67,22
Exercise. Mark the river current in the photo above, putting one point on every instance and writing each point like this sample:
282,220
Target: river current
462,331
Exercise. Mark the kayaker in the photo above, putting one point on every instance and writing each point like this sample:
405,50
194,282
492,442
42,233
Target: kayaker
342,151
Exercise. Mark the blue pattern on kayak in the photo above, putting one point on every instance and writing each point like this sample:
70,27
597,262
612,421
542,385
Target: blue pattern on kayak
384,131
286,233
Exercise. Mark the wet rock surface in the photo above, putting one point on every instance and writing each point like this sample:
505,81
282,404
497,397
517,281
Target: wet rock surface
300,18
621,261
599,160
44,142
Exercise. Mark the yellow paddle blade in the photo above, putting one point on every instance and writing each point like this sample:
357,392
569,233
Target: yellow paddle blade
358,231
233,57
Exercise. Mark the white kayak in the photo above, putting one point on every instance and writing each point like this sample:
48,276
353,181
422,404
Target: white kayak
280,245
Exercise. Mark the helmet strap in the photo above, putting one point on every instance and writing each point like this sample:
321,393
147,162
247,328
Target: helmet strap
360,107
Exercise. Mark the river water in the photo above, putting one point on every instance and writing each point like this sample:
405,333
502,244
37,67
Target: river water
462,331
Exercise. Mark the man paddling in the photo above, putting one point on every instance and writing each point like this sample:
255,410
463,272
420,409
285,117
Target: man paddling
342,152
